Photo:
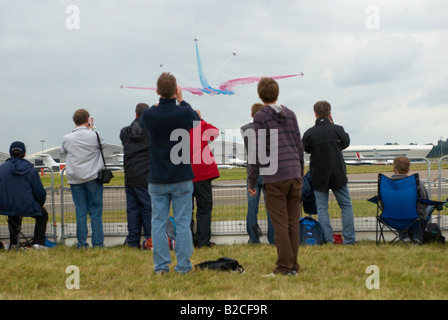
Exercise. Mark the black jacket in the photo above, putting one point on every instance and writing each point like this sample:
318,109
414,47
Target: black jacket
325,142
135,141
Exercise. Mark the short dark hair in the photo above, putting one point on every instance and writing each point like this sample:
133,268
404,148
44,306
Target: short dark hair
322,109
402,165
255,108
17,154
81,116
166,85
139,109
268,90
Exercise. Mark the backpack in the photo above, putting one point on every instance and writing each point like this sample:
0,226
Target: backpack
310,232
432,233
308,199
171,233
222,264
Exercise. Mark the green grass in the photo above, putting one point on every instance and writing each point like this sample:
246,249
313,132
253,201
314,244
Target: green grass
327,272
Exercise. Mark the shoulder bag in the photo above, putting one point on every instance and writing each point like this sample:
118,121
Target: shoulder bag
105,175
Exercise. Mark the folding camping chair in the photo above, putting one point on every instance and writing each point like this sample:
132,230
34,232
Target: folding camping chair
397,203
15,227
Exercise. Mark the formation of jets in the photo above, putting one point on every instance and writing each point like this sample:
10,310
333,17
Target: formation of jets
225,88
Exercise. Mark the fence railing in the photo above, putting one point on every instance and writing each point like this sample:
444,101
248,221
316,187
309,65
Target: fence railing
229,207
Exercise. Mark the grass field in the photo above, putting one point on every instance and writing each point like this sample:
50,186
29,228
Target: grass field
327,272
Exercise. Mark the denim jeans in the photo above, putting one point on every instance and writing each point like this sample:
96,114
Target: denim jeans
162,196
343,198
88,199
252,213
139,213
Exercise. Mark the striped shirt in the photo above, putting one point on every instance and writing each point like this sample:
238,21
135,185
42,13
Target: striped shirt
279,150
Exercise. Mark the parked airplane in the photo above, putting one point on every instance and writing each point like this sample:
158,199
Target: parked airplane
225,166
385,161
232,159
224,88
360,161
44,159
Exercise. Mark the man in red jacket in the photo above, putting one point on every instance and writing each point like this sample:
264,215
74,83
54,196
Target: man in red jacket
205,170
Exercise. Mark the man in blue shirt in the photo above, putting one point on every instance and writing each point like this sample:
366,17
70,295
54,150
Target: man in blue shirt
170,173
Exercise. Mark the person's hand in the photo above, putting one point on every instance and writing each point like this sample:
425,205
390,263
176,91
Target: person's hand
252,192
179,94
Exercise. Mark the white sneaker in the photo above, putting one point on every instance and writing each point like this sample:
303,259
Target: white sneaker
269,275
39,246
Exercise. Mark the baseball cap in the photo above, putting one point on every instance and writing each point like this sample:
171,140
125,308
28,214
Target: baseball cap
17,145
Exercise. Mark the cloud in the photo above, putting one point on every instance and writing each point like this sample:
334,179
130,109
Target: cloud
384,59
48,71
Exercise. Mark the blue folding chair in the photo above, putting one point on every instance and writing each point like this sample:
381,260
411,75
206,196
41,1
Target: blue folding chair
397,208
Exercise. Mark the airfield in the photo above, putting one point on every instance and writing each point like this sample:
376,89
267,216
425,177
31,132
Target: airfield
229,194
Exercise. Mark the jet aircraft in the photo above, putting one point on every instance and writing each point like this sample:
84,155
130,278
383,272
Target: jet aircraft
225,88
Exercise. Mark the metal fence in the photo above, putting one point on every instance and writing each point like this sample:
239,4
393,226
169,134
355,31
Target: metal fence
229,208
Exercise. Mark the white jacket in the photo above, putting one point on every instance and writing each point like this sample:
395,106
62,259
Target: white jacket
84,159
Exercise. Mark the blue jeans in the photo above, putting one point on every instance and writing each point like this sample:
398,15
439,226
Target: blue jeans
88,199
139,212
252,213
343,198
180,195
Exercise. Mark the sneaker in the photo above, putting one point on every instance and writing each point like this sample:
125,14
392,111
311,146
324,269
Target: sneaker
39,247
269,275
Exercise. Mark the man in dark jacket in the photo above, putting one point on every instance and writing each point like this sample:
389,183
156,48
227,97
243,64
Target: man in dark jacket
325,142
170,177
135,141
22,195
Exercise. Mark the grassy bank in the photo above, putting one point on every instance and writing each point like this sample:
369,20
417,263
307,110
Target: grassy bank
327,272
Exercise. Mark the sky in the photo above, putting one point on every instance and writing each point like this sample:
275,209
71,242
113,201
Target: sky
383,65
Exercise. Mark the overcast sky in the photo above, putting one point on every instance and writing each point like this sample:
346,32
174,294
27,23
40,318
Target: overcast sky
383,65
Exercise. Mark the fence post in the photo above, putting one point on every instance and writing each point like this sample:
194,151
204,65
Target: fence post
53,204
439,178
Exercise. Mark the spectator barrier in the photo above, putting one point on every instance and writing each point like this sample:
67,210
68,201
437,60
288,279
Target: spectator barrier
229,208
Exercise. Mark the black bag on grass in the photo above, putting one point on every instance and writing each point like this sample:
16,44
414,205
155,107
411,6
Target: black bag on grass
433,234
222,264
